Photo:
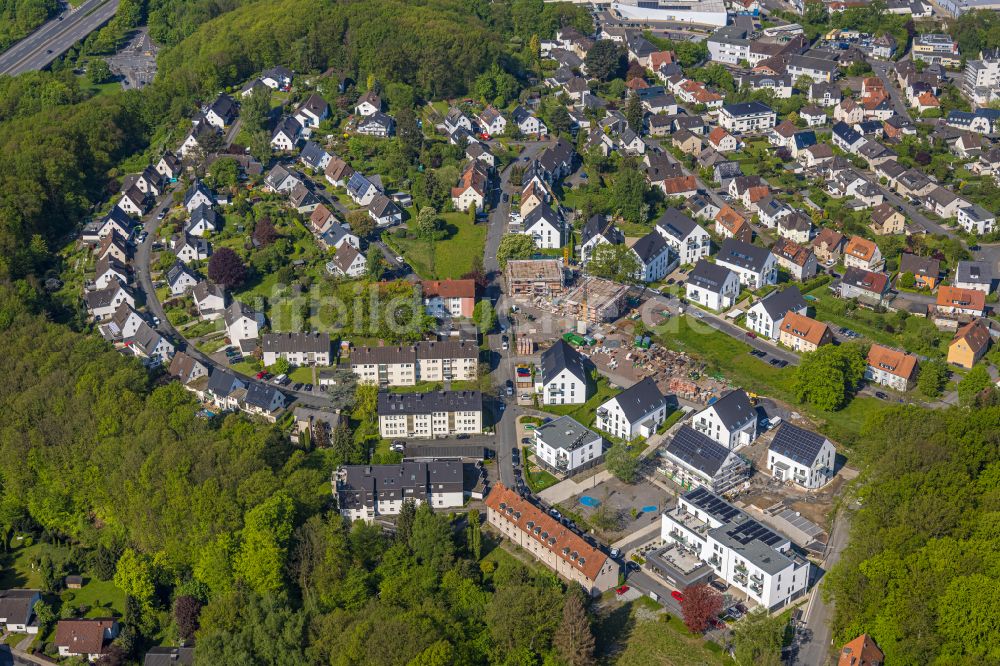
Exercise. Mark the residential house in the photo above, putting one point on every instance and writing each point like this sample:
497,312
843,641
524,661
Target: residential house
186,368
637,411
926,271
366,492
89,638
970,343
828,245
731,225
817,69
455,119
321,219
492,121
210,299
862,651
746,117
384,212
203,222
454,298
864,254
802,457
189,248
731,420
198,139
795,227
377,124
539,277
702,208
198,195
848,112
566,446
314,157
868,287
913,183
425,361
847,138
299,349
740,550
368,104
169,166
347,262
803,334
943,202
798,260
770,210
115,247
17,609
722,141
545,226
147,343
242,323
477,150
824,94
430,415
694,460
712,286
563,376
286,134
313,111
338,172
813,116
688,239
123,323
281,179
680,186
528,124
725,172
687,142
102,303
547,540
360,189
277,78
261,400
765,317
977,275
976,220
220,388
755,266
656,258
169,656
180,279
134,201
891,367
961,302
337,235
596,231
817,155
886,220
471,188
222,112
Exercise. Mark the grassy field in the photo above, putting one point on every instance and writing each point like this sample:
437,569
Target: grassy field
452,256
537,479
586,412
731,359
638,638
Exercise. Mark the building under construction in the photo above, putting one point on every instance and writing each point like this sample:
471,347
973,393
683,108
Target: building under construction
596,300
535,277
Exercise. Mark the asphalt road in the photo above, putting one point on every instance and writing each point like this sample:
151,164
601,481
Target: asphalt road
40,48
881,69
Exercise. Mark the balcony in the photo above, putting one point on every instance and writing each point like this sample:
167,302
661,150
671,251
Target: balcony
715,561
757,587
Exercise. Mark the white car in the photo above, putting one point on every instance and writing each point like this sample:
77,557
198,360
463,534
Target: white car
399,259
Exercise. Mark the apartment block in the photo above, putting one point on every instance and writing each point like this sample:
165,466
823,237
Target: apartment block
426,361
365,492
430,415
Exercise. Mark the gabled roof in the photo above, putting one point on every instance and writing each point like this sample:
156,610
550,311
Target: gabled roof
237,311
83,636
649,247
779,303
357,184
371,98
798,444
260,395
804,328
345,256
222,382
288,126
338,169
600,225
743,255
315,105
196,188
224,107
862,651
976,335
561,356
698,451
876,283
639,400
791,251
676,224
919,266
893,361
541,212
862,248
734,409
312,154
177,271
967,299
709,276
974,272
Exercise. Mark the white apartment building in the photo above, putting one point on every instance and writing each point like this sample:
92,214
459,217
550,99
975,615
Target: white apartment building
746,117
638,411
731,420
430,415
365,492
563,377
712,286
801,457
694,460
297,348
743,552
565,446
687,238
754,266
765,316
425,361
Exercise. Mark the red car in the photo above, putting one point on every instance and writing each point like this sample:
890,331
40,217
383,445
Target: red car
622,590
260,375
677,595
751,334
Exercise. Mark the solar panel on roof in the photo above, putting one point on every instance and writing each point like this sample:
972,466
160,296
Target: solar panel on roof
711,503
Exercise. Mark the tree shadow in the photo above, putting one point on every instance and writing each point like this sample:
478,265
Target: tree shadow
613,631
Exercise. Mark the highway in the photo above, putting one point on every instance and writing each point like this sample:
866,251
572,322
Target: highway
40,48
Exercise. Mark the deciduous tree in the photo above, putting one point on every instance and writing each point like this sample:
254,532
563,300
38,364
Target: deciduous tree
613,262
622,462
757,639
700,604
605,60
575,640
186,611
826,377
933,378
225,268
976,382
514,246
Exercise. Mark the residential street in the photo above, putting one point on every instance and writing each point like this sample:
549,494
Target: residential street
882,69
54,37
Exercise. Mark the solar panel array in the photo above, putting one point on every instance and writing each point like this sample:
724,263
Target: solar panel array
751,530
800,445
712,504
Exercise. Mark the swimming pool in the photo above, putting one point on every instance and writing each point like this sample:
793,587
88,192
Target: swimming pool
587,500
650,508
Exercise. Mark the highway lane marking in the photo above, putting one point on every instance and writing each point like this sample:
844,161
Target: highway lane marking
73,25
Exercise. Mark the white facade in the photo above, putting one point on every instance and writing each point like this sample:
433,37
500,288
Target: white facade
547,233
656,268
612,419
752,278
721,299
565,388
976,220
812,476
752,120
432,424
732,435
566,445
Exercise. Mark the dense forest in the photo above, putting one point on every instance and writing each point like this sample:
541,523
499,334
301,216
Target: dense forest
20,17
922,570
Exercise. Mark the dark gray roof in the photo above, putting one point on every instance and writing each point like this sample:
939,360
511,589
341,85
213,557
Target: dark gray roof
779,303
676,224
426,403
600,225
16,605
649,247
697,451
288,126
169,656
196,187
539,213
743,254
224,107
312,154
222,382
361,486
640,399
177,271
260,395
562,356
848,134
707,275
566,433
974,272
734,409
102,298
800,445
296,342
920,266
746,109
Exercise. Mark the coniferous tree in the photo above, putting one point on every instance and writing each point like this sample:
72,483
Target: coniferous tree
575,639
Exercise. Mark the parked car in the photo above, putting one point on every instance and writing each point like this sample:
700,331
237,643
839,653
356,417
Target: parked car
463,436
677,595
621,590
881,396
751,334
615,552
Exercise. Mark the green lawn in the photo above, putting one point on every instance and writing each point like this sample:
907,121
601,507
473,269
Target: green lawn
302,374
101,598
537,479
452,256
643,640
731,358
586,412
